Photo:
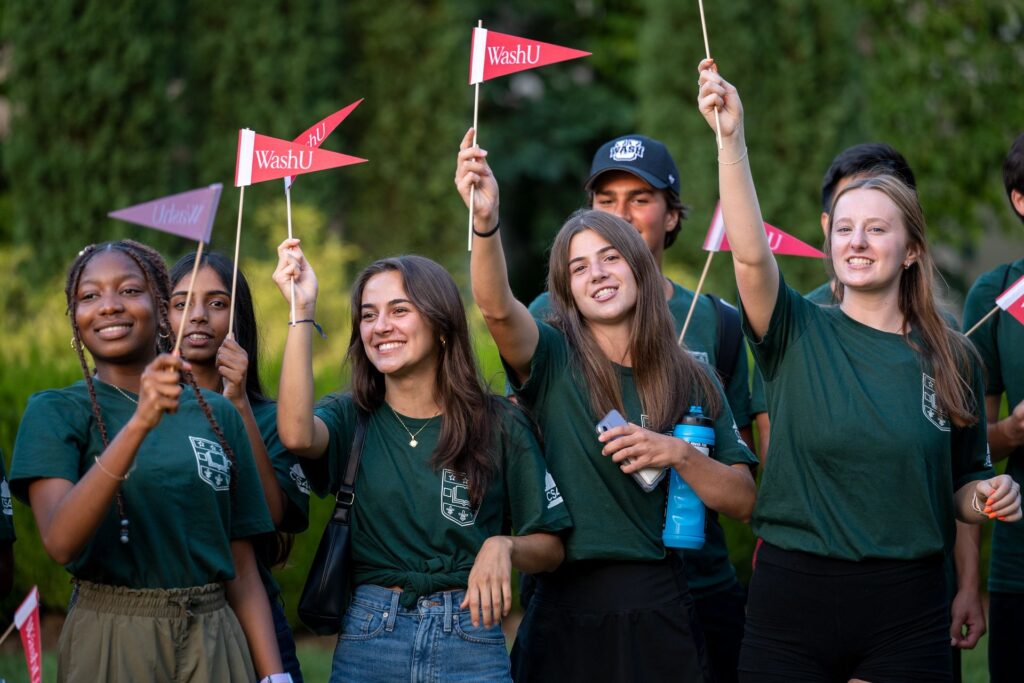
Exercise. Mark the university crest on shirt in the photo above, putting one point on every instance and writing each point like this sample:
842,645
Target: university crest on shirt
930,404
455,498
5,499
214,466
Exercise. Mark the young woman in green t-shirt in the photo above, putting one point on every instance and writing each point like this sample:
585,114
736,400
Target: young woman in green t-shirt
141,490
857,516
445,467
618,608
231,366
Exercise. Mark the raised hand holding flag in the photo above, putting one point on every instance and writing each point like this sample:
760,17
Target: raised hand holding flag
313,136
494,54
261,158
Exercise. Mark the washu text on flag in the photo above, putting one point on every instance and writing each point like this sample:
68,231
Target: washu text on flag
496,54
186,214
779,241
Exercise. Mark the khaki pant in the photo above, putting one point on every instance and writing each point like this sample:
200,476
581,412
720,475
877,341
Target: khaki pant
123,635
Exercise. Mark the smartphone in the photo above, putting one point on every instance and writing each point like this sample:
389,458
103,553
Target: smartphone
649,477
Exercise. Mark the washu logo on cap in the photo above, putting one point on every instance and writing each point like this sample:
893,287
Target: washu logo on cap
627,149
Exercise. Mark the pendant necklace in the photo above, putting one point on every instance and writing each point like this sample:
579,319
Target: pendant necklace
412,437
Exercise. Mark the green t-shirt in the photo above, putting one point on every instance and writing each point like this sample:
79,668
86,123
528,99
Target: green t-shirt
701,341
708,570
412,525
821,295
177,497
613,518
6,508
1000,341
862,462
291,479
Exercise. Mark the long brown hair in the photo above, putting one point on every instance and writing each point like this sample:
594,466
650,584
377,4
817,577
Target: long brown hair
668,378
946,352
467,408
154,270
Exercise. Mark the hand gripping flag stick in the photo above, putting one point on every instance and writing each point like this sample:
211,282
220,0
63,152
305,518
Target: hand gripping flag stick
494,54
260,158
312,137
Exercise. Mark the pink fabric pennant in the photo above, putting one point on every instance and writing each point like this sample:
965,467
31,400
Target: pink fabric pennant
186,214
494,54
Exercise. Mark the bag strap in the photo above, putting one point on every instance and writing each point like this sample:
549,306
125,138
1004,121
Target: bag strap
346,494
729,337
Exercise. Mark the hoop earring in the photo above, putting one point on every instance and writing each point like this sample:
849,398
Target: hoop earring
74,344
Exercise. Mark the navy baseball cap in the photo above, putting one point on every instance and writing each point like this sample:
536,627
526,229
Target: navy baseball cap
643,157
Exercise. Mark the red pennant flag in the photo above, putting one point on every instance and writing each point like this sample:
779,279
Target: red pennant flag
187,214
261,157
315,136
1012,300
496,54
779,241
27,621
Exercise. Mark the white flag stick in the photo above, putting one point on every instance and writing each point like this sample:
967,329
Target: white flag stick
188,298
981,322
707,51
288,205
234,273
696,295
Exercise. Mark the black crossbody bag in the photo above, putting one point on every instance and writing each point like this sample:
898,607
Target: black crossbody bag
327,589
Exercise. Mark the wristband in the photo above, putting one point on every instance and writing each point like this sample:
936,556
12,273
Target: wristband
312,322
489,232
976,506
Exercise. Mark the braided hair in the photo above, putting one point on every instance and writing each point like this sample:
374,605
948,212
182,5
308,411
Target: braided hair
153,269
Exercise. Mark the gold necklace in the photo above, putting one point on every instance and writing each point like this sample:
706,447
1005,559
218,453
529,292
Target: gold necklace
412,437
125,394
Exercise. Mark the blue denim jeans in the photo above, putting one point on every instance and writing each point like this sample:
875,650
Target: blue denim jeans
285,640
435,641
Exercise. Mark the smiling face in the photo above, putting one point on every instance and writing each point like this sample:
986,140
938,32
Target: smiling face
396,336
869,242
114,310
635,201
602,283
207,321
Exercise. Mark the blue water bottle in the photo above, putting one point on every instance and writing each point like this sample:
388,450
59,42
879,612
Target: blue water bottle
684,515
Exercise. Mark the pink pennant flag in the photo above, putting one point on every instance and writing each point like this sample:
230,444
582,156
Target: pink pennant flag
261,157
780,241
1012,300
496,54
186,214
26,619
315,136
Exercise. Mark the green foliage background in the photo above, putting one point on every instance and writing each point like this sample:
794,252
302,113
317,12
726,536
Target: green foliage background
109,103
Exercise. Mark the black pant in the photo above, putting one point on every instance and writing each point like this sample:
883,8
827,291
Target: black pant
813,618
721,617
1006,637
611,621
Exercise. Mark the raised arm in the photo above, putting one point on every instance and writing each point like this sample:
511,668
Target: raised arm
300,431
68,513
757,274
508,320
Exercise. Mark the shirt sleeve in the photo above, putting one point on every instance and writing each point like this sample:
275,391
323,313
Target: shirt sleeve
758,400
738,391
789,320
533,498
980,300
551,355
52,442
730,448
338,413
249,513
971,459
288,473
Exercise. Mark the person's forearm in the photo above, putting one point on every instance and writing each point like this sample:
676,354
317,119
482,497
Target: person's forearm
539,552
248,599
965,556
295,414
68,522
725,488
1001,441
